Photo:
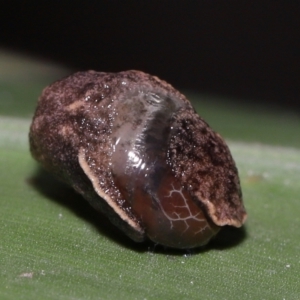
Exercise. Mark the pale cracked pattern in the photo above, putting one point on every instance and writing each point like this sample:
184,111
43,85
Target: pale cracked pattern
186,207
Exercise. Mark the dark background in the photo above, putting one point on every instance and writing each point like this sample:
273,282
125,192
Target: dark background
248,50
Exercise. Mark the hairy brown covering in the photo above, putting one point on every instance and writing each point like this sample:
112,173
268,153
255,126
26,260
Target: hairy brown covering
202,160
72,114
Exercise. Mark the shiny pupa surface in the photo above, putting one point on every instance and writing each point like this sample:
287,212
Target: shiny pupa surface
135,148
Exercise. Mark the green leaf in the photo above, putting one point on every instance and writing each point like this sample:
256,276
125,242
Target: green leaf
55,246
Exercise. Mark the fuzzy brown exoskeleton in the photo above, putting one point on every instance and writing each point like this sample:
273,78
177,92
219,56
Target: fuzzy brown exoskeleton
135,148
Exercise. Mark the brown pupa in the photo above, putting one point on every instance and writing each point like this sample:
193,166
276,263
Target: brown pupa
135,148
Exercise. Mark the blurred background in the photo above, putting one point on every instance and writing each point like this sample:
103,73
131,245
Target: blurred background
245,50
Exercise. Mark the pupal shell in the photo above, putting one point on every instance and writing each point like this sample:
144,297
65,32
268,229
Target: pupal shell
135,148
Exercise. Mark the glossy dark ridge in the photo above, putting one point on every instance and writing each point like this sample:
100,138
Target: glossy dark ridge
135,148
